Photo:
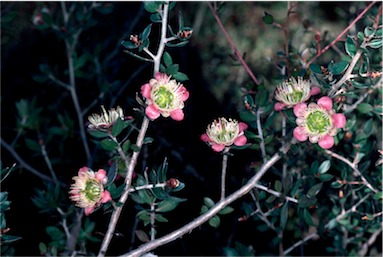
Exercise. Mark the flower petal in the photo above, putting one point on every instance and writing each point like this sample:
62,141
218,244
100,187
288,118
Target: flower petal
152,112
339,120
145,90
205,138
326,142
185,93
298,108
240,141
106,197
242,126
161,76
315,91
217,147
177,115
325,102
83,169
89,210
279,106
300,134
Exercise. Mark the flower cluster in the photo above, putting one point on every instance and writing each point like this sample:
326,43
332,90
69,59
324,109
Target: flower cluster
318,122
88,191
106,119
222,133
292,92
164,96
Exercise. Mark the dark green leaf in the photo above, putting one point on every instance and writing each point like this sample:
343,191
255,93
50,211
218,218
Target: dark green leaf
350,47
284,215
268,18
155,18
33,145
226,210
183,43
325,177
367,127
278,185
324,167
208,202
308,218
214,221
376,43
369,32
108,144
97,133
305,202
179,76
172,69
360,85
167,59
128,44
247,116
315,68
339,68
146,32
152,7
54,233
118,126
314,190
160,218
365,108
336,184
167,205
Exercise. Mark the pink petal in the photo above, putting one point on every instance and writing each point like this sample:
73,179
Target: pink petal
101,175
177,115
326,142
315,91
325,102
279,106
89,210
300,134
106,197
145,90
217,147
161,76
298,108
205,138
152,112
240,141
339,120
83,169
185,94
242,126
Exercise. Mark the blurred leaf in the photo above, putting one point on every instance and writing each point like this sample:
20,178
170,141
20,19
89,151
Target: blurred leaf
214,221
128,44
180,44
324,167
42,248
325,177
146,32
268,18
181,77
350,47
142,236
284,215
160,218
108,144
155,18
339,68
336,184
172,69
367,127
376,43
365,108
54,233
315,68
32,145
314,190
369,32
308,218
247,116
167,205
226,210
305,202
278,185
117,127
97,133
152,6
167,59
208,202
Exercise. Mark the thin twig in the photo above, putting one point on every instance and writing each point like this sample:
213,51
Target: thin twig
260,135
237,53
25,165
212,211
353,167
48,162
342,33
223,172
278,194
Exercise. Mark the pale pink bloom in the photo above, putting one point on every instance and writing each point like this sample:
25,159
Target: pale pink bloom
164,96
88,191
106,119
292,92
223,133
318,122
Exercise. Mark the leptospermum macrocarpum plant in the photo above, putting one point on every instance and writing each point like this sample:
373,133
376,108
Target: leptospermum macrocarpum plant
310,129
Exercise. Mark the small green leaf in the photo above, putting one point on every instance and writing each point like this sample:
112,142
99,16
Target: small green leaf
160,218
367,127
376,43
152,7
172,69
142,236
167,205
284,215
108,144
181,77
214,221
314,190
305,202
315,68
365,108
155,18
378,196
268,18
339,68
350,47
278,185
226,210
167,59
42,248
54,233
118,126
308,218
128,44
208,202
369,32
146,32
325,177
336,184
97,133
324,167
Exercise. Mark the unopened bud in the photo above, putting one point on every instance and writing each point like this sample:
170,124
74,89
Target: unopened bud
172,183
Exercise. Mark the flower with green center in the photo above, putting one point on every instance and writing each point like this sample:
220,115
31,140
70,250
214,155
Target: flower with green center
318,122
223,133
88,191
292,92
106,119
164,96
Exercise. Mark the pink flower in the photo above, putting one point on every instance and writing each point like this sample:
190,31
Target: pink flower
318,122
224,133
164,96
88,191
293,92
